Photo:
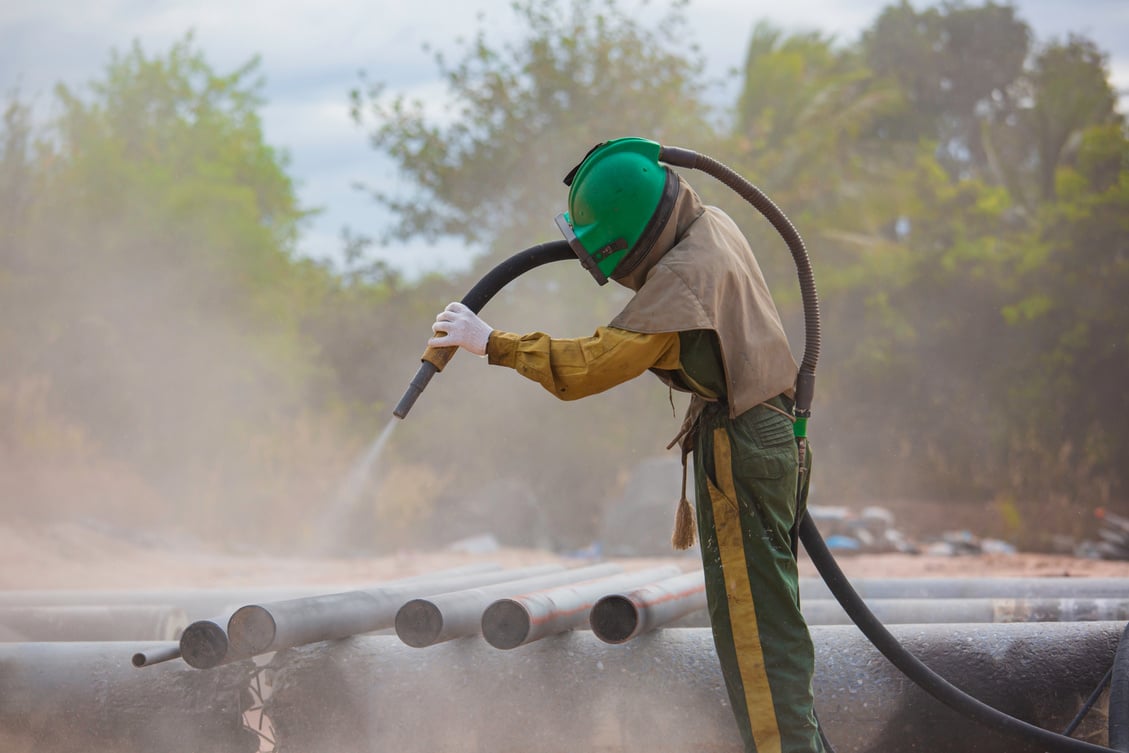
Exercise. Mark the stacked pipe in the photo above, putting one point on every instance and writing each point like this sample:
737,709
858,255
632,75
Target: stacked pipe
255,629
449,627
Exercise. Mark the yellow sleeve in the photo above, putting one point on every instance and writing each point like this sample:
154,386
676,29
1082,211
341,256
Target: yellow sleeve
577,367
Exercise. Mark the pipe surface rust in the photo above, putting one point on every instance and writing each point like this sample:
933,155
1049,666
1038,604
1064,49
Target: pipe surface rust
619,617
515,621
439,618
205,643
260,628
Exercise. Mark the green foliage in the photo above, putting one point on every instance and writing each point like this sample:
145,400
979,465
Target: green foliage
524,113
1064,91
915,163
964,193
521,114
803,131
148,279
953,62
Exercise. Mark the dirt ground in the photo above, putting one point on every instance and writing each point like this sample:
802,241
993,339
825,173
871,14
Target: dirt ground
75,556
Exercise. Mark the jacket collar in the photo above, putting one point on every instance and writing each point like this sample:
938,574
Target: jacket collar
687,208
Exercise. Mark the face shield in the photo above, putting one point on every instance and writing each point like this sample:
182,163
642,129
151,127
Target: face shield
591,262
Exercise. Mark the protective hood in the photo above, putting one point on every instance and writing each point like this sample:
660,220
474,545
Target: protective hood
701,274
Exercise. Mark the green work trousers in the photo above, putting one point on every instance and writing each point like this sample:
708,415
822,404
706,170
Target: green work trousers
746,479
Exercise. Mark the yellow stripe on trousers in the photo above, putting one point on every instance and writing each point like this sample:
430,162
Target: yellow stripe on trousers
742,611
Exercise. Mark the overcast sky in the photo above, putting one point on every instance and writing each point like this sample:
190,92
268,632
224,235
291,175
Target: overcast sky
311,53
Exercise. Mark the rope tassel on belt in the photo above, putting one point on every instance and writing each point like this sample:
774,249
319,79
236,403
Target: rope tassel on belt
684,533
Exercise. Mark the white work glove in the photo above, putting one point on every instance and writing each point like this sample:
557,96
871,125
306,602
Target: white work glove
458,325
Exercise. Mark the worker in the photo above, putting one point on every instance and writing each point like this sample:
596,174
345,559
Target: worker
702,319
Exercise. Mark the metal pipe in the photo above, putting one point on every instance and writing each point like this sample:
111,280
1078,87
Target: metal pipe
617,618
84,697
664,693
125,622
260,628
164,652
972,588
439,618
204,644
518,620
620,617
917,611
203,603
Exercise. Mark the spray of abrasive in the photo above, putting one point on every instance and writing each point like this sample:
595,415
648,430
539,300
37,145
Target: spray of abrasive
352,487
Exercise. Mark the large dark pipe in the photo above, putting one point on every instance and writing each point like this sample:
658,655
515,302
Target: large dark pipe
434,359
663,693
88,698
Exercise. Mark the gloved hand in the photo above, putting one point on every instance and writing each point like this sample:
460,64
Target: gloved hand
461,327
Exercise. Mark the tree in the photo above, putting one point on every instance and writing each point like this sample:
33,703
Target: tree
149,278
527,111
1064,91
804,130
1068,310
976,283
955,63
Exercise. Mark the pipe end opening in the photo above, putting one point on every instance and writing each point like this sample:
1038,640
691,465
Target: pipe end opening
505,624
204,644
419,623
251,630
614,619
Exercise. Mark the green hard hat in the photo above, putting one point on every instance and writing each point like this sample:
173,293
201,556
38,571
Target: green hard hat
613,197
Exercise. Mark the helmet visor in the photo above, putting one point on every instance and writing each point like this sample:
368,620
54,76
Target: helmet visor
586,259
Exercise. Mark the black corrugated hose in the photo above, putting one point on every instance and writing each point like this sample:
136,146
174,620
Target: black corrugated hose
821,556
477,297
825,563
